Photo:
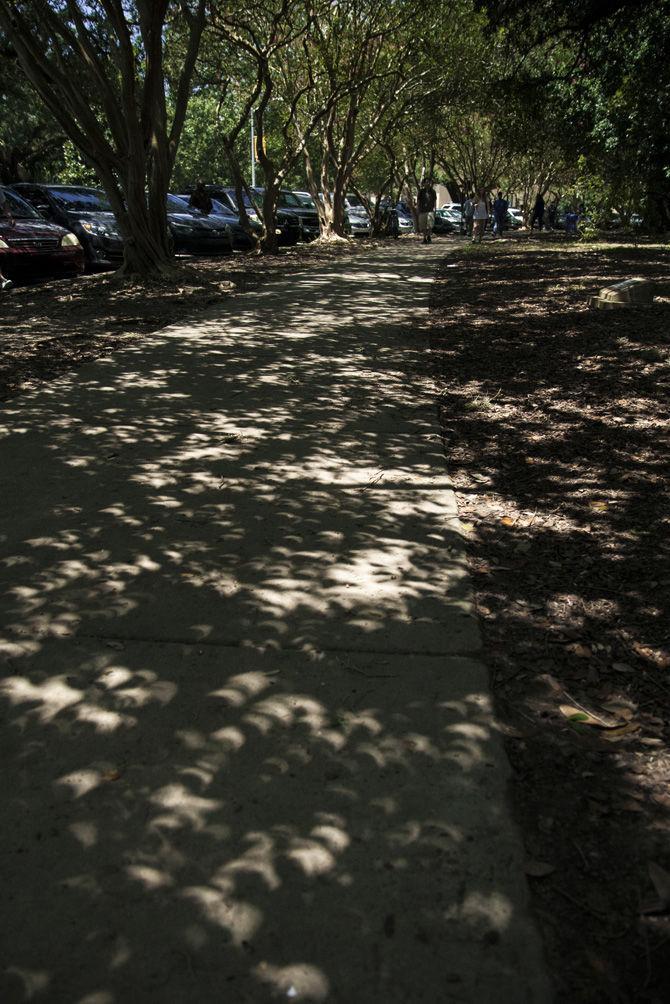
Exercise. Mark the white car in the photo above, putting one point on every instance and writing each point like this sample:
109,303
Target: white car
357,220
455,209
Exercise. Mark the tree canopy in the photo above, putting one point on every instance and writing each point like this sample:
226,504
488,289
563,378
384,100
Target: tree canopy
350,94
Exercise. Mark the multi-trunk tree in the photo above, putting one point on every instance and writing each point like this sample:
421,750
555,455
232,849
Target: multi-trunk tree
98,66
272,38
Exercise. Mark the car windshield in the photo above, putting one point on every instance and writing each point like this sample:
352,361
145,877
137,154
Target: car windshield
288,199
177,205
19,209
353,200
247,201
307,201
218,207
81,199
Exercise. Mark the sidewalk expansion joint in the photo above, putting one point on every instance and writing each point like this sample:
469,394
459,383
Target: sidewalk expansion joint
258,647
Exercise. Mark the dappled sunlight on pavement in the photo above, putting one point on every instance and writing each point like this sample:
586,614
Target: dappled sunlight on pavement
249,753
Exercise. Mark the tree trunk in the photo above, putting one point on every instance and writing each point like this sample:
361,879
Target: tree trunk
113,112
240,189
313,189
147,247
657,210
339,194
269,242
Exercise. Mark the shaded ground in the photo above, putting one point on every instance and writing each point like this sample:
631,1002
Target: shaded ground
556,426
246,745
51,327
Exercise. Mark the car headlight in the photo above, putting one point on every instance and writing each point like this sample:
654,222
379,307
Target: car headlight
93,227
3,245
69,241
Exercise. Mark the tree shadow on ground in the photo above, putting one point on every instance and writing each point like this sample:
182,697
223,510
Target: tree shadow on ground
246,754
556,429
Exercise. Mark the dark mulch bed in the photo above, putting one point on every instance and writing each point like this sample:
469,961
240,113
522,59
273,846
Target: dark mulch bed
49,328
556,422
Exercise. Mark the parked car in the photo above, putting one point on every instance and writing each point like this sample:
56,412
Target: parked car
514,218
446,223
287,225
456,216
31,246
195,233
454,207
405,218
356,220
307,217
84,211
226,196
241,239
634,220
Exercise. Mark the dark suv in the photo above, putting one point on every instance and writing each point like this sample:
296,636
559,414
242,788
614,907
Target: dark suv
242,241
287,225
84,211
307,216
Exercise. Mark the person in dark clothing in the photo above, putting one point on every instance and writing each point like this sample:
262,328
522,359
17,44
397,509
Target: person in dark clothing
426,203
500,207
388,219
201,200
553,215
538,212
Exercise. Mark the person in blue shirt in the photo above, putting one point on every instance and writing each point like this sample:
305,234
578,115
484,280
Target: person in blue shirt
500,207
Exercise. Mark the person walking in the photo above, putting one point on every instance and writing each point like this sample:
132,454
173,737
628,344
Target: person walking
5,284
553,214
426,203
480,216
571,221
500,207
538,212
468,214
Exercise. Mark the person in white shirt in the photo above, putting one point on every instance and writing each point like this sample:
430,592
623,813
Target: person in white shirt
481,215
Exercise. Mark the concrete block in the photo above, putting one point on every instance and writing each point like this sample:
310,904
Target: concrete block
624,294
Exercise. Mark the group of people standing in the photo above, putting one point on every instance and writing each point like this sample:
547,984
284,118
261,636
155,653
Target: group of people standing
477,210
476,214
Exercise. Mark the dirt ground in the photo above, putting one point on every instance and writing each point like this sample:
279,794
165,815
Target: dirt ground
48,328
555,420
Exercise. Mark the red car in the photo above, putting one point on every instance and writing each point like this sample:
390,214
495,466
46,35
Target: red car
29,246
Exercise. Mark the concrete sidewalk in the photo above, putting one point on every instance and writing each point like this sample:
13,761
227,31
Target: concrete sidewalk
247,750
